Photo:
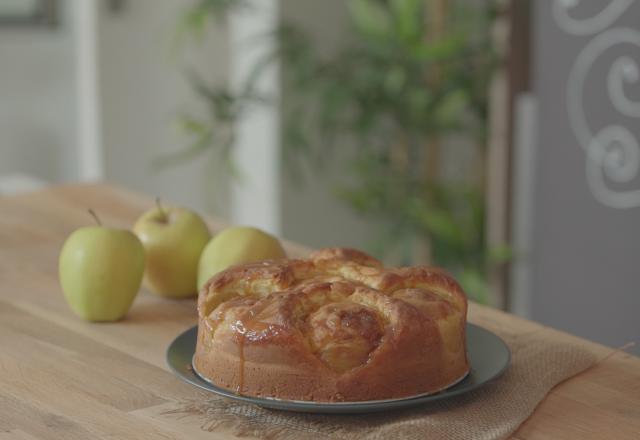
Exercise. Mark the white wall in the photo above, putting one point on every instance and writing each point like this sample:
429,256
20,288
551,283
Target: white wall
255,196
143,89
37,100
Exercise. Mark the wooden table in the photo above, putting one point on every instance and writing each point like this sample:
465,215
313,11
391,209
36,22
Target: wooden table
64,378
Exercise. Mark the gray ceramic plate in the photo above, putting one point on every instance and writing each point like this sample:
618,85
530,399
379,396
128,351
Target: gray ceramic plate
488,356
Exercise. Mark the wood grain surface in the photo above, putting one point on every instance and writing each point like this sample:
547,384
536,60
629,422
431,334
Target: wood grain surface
63,378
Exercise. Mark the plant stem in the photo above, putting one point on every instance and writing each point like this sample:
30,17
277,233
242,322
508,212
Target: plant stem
399,155
435,21
436,14
163,213
438,10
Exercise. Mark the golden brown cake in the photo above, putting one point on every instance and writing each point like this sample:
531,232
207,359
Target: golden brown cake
336,327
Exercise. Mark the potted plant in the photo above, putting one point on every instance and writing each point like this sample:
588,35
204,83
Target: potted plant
402,101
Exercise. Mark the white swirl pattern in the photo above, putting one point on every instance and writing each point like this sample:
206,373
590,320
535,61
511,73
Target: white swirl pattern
624,69
591,25
613,152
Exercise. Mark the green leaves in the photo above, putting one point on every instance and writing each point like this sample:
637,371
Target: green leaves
450,111
474,283
440,223
195,19
370,18
407,17
500,254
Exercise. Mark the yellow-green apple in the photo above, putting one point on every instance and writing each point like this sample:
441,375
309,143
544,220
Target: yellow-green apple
237,245
100,271
173,240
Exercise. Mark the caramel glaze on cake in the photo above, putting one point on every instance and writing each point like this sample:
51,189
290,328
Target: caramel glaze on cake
335,327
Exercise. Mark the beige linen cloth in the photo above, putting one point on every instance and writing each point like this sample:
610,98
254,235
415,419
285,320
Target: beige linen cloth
492,412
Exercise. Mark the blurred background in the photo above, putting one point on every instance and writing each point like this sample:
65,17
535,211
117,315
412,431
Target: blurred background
498,139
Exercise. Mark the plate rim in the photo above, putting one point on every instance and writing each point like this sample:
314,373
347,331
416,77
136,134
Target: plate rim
230,394
311,406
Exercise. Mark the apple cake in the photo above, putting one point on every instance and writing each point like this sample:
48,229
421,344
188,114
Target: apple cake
335,327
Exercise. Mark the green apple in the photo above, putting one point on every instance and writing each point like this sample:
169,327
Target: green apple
100,271
173,240
237,245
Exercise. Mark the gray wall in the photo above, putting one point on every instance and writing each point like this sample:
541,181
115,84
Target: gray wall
586,227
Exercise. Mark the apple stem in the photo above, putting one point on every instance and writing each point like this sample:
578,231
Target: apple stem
95,216
161,209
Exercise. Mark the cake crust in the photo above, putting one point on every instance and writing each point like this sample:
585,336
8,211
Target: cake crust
335,327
